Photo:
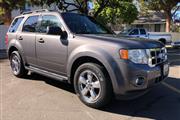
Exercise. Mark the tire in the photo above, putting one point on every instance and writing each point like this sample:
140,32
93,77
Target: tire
17,65
163,41
93,85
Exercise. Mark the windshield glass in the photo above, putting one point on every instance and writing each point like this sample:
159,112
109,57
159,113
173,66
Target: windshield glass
81,24
125,31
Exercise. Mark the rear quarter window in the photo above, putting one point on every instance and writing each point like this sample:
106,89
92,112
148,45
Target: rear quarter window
14,26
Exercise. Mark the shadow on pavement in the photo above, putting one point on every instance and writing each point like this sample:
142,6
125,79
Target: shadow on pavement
3,54
50,81
174,57
162,102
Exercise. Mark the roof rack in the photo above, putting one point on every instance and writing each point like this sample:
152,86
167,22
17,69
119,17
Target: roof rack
35,11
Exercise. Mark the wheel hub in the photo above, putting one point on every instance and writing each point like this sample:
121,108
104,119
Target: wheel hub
15,64
89,86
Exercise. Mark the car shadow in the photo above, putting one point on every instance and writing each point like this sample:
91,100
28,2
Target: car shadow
59,84
174,57
162,102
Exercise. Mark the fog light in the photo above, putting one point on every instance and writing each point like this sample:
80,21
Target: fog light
139,81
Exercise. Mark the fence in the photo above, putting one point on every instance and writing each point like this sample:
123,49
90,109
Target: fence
3,30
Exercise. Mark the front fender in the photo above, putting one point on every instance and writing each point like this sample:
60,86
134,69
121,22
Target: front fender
104,57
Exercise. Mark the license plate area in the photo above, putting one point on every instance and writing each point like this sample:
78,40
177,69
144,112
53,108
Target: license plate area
165,69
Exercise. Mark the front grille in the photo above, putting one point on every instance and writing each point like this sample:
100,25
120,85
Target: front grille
157,56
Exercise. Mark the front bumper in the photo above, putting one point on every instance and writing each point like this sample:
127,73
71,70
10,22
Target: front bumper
138,78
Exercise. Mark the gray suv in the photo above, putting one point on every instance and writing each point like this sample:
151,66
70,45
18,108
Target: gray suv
75,48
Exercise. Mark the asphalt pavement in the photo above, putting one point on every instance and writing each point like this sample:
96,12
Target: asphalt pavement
40,98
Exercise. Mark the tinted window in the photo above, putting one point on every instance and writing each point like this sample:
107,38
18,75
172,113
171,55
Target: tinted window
48,21
30,24
81,24
14,26
142,32
134,32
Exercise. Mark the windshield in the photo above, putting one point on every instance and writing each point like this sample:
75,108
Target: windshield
125,31
81,24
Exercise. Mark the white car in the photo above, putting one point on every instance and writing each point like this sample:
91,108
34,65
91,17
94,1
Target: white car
176,44
142,33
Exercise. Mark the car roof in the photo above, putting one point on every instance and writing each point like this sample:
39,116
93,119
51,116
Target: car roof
40,11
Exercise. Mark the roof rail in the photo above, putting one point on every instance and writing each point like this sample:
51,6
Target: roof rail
35,11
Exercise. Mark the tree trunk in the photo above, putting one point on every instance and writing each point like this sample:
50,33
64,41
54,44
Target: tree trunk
168,21
7,17
168,24
86,7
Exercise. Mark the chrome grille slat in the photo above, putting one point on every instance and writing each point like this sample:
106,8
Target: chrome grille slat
157,56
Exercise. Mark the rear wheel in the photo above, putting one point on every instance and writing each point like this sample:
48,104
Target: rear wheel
17,65
93,85
163,41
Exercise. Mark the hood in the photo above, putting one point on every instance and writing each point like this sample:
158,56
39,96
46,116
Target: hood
125,42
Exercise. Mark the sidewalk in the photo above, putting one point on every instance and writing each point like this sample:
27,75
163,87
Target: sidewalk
3,54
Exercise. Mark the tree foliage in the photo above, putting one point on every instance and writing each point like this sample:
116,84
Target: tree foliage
118,12
7,6
166,5
107,11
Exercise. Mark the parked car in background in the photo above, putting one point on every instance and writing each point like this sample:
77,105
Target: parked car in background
176,44
142,33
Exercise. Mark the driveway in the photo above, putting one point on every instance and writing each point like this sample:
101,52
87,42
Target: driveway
39,98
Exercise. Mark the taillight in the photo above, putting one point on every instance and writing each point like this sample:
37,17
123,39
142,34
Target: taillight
6,40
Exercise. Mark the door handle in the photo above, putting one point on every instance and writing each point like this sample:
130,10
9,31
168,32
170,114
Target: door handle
41,40
20,38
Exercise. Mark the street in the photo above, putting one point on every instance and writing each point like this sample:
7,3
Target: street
40,98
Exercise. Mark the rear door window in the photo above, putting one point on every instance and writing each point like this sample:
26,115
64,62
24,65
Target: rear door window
14,26
142,32
30,24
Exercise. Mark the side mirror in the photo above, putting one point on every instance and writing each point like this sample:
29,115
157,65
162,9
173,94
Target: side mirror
64,35
54,31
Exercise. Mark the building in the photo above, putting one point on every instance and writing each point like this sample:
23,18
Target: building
154,22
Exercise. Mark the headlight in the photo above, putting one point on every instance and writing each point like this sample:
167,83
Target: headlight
138,56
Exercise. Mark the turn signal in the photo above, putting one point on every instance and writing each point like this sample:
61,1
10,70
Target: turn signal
124,54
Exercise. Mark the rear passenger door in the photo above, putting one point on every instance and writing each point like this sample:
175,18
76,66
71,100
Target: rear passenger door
27,39
50,49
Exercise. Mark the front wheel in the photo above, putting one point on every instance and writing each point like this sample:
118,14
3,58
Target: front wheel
17,65
93,85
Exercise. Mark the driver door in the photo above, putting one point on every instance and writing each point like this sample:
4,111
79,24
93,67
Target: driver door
50,50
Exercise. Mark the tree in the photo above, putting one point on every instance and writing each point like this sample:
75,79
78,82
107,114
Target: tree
118,12
108,11
6,7
167,6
